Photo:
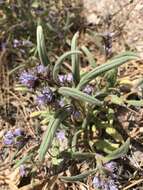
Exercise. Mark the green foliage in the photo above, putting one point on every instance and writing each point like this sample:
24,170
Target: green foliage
121,59
111,77
78,95
86,112
41,46
75,60
51,129
78,177
106,146
119,152
60,60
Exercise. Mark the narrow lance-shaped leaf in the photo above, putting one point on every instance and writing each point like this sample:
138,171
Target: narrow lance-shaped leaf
60,61
41,48
103,68
138,103
26,158
74,140
106,146
83,155
75,60
114,99
119,152
111,77
78,177
78,95
23,160
114,134
49,135
126,53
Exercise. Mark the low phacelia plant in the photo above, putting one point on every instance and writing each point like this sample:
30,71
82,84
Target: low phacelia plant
75,104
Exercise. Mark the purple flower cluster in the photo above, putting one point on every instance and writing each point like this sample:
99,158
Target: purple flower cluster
104,184
60,135
22,170
16,43
111,166
41,69
68,78
28,79
45,97
10,136
88,89
77,116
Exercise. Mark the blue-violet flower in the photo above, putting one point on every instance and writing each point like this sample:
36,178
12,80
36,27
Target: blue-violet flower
60,135
28,79
45,97
88,89
41,69
65,78
8,138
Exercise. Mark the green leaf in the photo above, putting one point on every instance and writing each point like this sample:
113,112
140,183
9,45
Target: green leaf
75,60
89,56
126,53
104,68
41,46
23,160
49,135
35,113
15,69
114,99
21,88
45,120
44,113
138,103
114,134
119,152
83,155
27,157
74,140
60,60
78,177
106,146
111,77
78,95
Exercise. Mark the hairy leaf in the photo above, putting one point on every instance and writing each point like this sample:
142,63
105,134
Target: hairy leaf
114,134
114,99
78,95
111,77
138,103
106,146
104,68
41,46
59,62
121,151
75,60
78,177
23,160
49,135
74,140
126,53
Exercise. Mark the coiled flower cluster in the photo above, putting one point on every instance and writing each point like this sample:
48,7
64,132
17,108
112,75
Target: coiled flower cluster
15,137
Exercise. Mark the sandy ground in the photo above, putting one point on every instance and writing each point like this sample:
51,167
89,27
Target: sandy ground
122,15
